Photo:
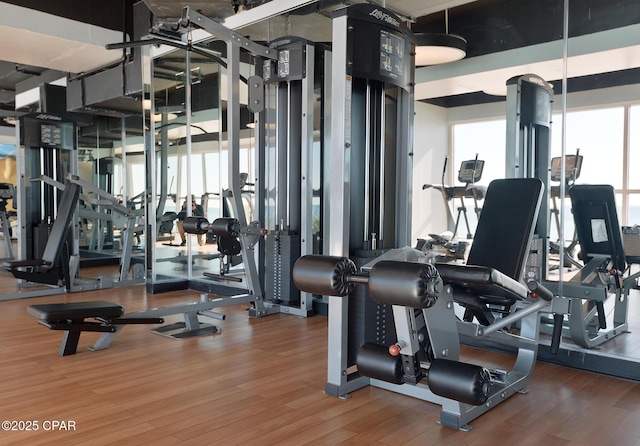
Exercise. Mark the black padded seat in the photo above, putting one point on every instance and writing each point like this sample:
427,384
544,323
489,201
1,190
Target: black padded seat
75,311
70,318
486,283
596,219
493,273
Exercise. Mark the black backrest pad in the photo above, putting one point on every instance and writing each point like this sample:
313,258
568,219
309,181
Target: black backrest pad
58,235
506,225
596,220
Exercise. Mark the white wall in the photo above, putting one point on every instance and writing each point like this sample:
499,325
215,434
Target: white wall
430,147
7,135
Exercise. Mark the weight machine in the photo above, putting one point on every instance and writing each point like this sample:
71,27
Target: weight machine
598,294
292,205
423,357
46,149
402,328
369,174
528,142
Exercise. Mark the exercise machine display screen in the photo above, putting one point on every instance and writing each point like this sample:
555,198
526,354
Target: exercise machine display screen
572,167
470,171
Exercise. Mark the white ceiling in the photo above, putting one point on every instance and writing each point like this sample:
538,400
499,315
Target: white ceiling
607,51
42,40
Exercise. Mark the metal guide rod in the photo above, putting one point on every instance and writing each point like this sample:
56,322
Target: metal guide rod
306,159
367,164
381,175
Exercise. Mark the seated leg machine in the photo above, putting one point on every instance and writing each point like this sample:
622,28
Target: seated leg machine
424,361
599,293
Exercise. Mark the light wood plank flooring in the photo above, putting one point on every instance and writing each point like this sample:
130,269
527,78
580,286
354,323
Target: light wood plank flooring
260,382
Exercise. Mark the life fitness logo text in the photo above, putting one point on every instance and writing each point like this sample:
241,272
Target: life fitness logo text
384,17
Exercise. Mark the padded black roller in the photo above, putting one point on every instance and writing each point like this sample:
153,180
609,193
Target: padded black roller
374,361
195,225
467,383
408,284
324,275
225,226
229,246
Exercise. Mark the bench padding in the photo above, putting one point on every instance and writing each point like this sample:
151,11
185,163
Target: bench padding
483,281
76,311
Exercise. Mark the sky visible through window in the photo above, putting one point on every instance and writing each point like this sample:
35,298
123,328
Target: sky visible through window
598,134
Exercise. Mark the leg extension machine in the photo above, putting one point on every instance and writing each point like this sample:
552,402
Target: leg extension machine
599,293
424,360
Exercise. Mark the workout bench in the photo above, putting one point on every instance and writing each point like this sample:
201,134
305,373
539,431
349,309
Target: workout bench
71,318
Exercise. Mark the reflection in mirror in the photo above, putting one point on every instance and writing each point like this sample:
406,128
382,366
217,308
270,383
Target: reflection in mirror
601,98
600,101
460,110
102,162
191,158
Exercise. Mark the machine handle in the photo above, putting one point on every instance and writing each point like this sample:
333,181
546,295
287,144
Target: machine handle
537,290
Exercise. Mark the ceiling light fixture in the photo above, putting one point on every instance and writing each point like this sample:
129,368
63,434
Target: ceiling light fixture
438,48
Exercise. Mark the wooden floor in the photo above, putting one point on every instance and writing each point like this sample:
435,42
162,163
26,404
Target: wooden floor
260,382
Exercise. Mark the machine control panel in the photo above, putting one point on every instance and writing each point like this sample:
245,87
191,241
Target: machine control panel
379,45
47,131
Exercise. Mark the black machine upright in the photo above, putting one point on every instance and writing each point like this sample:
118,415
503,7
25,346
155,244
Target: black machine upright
528,155
369,177
292,165
47,154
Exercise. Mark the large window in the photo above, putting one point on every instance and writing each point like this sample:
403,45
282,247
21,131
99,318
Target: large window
600,136
485,139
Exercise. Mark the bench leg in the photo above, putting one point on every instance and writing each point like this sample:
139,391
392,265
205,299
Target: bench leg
69,342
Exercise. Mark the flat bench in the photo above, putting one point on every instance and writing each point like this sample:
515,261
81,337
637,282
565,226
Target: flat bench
71,318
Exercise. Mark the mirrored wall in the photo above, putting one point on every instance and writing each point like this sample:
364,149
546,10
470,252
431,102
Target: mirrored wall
190,160
588,51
